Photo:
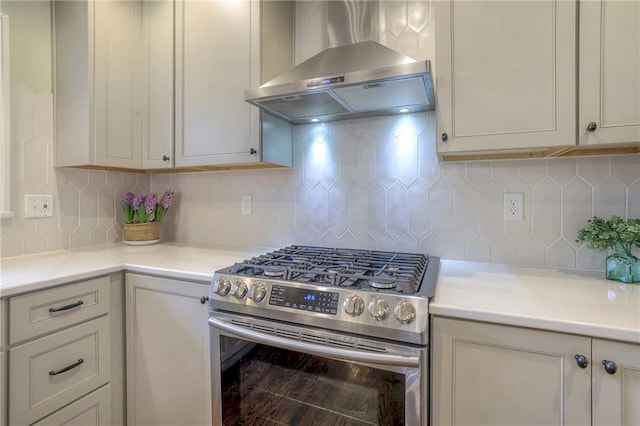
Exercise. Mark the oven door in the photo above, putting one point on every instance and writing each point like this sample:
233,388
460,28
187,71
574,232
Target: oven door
266,372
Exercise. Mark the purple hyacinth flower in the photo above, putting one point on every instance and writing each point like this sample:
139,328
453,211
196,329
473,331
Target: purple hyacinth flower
150,202
137,201
167,198
127,198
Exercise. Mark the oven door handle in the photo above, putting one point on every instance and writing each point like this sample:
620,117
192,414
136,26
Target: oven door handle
314,349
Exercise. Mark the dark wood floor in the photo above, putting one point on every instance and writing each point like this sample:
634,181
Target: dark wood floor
278,387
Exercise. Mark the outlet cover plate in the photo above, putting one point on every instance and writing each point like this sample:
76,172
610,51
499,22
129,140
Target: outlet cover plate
514,206
38,206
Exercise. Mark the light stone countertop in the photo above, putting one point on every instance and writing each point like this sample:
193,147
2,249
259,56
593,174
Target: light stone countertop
565,301
193,262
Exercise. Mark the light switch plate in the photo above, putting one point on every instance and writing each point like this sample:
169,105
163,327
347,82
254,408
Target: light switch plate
245,204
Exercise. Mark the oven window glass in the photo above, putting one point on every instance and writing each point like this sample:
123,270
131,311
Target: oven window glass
266,385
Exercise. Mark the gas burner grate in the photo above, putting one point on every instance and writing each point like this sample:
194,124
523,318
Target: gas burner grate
377,270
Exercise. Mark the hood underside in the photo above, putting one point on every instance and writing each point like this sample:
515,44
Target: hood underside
356,80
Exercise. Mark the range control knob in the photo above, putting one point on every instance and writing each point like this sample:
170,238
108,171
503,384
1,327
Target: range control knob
354,305
239,289
379,309
221,287
257,292
404,312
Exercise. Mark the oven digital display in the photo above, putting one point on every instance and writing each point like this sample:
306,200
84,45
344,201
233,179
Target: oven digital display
323,302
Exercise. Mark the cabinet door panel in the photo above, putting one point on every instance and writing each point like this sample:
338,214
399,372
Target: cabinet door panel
616,396
214,59
117,83
3,387
157,91
168,372
490,374
505,74
610,71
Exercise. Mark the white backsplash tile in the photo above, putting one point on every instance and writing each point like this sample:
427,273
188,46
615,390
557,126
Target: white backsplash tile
370,183
87,208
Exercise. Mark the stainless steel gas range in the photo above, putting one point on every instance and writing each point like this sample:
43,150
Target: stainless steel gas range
312,335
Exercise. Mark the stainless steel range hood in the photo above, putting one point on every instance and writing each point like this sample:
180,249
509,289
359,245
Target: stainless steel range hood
354,80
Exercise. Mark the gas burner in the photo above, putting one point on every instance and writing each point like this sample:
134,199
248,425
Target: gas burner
349,268
382,285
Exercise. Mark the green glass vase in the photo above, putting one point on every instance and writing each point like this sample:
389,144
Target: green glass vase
622,265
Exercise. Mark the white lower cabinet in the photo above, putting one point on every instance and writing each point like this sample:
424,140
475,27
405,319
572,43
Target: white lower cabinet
91,410
3,387
616,388
65,356
502,375
3,377
49,373
168,371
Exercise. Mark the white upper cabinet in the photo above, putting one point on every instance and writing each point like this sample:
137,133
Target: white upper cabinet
156,84
609,72
157,87
213,68
505,75
97,83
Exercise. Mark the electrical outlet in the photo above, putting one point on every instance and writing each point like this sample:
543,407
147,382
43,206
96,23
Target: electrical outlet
37,205
245,204
513,206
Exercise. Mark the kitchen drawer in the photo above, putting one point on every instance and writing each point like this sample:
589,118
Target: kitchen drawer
42,312
91,410
36,392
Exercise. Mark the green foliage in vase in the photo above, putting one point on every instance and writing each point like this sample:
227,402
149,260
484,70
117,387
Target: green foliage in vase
601,234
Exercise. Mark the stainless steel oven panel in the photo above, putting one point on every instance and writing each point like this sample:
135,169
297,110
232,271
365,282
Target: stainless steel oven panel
416,332
410,361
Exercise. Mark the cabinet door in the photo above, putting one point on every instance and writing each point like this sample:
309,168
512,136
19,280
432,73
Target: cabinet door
616,396
505,74
499,375
609,72
168,372
157,88
213,68
117,83
3,387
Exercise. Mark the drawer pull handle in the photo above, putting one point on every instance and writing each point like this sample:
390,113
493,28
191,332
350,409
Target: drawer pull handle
67,307
67,368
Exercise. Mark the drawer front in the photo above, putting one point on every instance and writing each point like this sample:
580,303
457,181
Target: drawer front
51,372
91,410
42,312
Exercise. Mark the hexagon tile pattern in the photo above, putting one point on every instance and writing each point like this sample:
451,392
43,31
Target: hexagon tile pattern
86,203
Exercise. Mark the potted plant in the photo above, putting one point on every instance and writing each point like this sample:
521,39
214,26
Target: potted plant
617,236
143,216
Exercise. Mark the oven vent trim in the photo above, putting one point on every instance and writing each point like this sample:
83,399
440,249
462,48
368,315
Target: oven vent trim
309,338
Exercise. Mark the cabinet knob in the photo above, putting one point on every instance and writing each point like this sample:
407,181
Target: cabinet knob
166,158
204,299
253,151
444,137
591,127
582,361
610,366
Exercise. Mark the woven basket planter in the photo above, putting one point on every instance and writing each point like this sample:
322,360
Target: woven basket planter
149,231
